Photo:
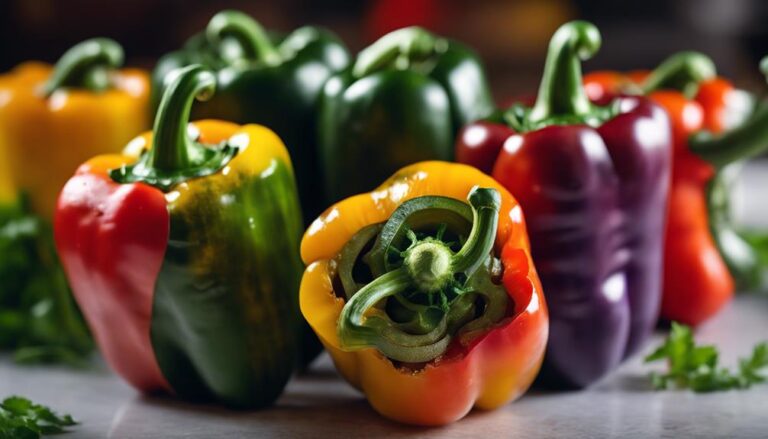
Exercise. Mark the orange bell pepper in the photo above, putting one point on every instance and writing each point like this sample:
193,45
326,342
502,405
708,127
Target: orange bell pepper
383,319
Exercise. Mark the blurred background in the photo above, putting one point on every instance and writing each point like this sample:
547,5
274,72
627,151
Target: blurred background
510,35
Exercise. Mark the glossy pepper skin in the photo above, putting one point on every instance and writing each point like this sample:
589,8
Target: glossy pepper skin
705,257
53,119
485,368
592,179
403,101
183,254
275,85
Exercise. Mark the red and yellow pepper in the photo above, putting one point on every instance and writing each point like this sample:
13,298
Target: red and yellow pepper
426,304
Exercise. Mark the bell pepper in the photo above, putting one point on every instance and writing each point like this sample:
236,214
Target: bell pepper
403,101
715,128
8,191
592,179
275,85
426,304
183,254
52,119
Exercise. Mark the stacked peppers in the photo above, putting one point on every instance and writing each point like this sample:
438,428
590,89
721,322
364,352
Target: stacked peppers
428,305
403,101
276,85
592,179
183,254
714,128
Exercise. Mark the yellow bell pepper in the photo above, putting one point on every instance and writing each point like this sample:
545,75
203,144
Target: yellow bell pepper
53,119
7,190
403,377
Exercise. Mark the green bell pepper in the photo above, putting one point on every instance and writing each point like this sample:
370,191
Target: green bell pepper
403,101
259,81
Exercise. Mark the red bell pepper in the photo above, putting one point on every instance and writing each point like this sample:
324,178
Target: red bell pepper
702,252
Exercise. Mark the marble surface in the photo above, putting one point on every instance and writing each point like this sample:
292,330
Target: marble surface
319,404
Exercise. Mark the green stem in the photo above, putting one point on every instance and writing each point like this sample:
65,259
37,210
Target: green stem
742,259
86,65
172,148
561,92
252,40
747,140
683,71
174,156
397,49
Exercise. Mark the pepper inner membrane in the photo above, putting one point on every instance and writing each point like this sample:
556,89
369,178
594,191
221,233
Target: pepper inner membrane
423,280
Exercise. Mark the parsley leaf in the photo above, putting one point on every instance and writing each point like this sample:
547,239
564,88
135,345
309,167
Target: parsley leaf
696,366
20,418
39,320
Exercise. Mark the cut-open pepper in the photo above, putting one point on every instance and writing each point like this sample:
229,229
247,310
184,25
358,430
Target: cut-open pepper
425,294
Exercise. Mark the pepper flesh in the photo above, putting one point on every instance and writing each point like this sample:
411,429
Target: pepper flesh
66,115
142,237
495,368
593,180
702,252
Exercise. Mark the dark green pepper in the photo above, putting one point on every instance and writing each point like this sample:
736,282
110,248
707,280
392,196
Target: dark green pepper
402,102
275,85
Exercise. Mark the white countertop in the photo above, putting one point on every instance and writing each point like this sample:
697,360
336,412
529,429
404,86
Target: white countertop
319,404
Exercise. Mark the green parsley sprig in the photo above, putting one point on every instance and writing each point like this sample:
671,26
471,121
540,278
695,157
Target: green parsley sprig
39,320
20,418
696,366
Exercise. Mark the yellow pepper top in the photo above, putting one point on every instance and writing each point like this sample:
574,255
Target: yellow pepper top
51,120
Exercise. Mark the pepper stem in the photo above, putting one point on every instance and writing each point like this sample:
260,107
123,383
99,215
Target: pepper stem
683,71
86,65
172,149
749,139
561,92
398,49
253,42
174,156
